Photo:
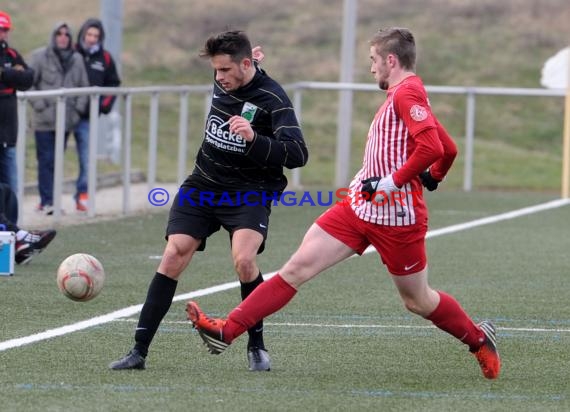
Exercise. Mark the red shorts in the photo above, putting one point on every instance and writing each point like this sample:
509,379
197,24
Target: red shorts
402,248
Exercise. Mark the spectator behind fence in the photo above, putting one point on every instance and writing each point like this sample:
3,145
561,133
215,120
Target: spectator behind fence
56,65
101,71
14,75
28,243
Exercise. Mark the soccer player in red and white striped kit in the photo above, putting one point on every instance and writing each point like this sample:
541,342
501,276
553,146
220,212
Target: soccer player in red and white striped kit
406,147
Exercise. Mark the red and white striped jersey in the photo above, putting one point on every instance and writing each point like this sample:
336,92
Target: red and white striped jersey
390,143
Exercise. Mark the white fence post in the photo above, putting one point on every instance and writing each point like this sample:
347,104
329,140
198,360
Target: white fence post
93,146
297,105
126,153
152,141
469,141
183,138
59,148
21,154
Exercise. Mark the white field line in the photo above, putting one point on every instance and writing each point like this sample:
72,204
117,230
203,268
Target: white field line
363,326
131,310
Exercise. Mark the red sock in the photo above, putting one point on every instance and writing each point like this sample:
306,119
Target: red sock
450,317
267,298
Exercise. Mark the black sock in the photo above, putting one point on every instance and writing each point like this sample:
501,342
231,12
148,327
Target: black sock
158,300
256,332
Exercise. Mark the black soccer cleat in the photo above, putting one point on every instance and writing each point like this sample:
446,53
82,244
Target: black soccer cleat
132,360
258,359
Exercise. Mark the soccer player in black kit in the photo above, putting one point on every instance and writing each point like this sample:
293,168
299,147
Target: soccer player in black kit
251,134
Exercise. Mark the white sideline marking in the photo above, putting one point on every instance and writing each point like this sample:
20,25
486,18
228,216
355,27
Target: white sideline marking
131,310
365,326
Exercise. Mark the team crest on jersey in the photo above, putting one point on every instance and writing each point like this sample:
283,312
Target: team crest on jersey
418,113
248,111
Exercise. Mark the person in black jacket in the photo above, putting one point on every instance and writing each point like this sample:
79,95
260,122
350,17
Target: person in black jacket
14,75
102,72
251,134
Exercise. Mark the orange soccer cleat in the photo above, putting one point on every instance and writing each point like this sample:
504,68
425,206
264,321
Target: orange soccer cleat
210,329
488,355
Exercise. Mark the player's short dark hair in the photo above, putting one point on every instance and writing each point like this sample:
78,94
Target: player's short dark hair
235,43
398,41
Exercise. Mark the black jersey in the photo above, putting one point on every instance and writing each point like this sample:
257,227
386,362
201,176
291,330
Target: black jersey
228,161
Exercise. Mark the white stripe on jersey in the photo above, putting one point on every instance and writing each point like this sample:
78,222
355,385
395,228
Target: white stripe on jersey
385,152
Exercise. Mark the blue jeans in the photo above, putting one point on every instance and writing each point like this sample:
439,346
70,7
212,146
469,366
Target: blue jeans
8,208
45,153
82,142
8,167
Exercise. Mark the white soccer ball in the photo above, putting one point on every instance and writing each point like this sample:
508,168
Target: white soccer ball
80,277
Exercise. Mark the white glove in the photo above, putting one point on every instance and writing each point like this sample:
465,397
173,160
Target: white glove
376,184
380,190
387,185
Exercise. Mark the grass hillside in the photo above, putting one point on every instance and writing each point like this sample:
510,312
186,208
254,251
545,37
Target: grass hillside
460,43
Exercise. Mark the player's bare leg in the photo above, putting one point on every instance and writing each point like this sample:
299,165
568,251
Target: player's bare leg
318,252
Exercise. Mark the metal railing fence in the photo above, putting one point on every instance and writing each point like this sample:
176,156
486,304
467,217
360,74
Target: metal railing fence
126,94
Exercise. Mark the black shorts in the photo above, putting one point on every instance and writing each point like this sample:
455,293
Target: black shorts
201,220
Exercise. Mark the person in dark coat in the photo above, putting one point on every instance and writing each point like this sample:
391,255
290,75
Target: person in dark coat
102,72
14,75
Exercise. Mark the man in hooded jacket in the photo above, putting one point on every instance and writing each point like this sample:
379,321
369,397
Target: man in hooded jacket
55,66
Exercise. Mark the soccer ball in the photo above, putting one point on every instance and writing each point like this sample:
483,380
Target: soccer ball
80,277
